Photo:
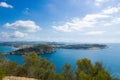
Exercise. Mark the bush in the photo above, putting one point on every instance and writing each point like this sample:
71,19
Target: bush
2,73
40,68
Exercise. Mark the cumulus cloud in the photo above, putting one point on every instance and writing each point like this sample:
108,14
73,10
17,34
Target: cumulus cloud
103,18
28,25
94,17
16,34
111,10
4,35
95,32
76,24
5,5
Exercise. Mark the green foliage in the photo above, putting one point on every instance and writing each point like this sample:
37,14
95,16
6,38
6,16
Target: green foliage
86,71
31,60
40,68
67,73
2,73
11,69
37,67
43,46
39,49
1,54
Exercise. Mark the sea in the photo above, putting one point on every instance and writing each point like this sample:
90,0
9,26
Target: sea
109,58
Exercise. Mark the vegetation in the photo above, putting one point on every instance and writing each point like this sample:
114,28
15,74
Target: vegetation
84,46
39,49
50,47
2,73
40,68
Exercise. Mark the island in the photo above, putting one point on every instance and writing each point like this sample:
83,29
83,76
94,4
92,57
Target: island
48,47
83,46
39,49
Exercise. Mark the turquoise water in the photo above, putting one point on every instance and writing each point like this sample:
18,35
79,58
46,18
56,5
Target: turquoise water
6,48
108,57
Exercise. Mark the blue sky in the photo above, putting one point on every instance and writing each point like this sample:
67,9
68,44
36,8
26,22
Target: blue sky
84,21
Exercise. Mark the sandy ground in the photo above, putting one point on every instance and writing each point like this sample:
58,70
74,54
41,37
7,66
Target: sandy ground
17,78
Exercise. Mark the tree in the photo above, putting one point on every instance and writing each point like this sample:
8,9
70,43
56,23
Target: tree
2,73
1,54
67,73
40,68
87,71
11,69
37,67
31,63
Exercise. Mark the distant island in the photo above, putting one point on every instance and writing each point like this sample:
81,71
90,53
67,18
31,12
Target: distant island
39,49
48,47
84,46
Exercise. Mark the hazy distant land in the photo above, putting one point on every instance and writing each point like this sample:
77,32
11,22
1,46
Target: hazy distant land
48,47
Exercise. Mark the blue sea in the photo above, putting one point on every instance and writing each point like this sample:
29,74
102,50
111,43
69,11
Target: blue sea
109,57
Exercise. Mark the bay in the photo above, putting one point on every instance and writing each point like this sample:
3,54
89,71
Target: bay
109,57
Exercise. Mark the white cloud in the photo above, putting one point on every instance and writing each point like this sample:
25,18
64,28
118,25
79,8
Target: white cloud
116,20
28,25
76,24
111,10
4,35
101,19
95,32
99,2
5,5
18,34
94,17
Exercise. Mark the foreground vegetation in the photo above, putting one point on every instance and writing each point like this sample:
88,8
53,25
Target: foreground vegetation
40,68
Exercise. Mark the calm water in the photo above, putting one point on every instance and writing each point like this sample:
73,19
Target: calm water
110,57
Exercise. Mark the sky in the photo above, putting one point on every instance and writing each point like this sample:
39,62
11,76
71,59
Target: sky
83,21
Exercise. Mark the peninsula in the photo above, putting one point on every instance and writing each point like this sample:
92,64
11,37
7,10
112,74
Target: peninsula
84,46
39,49
49,47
